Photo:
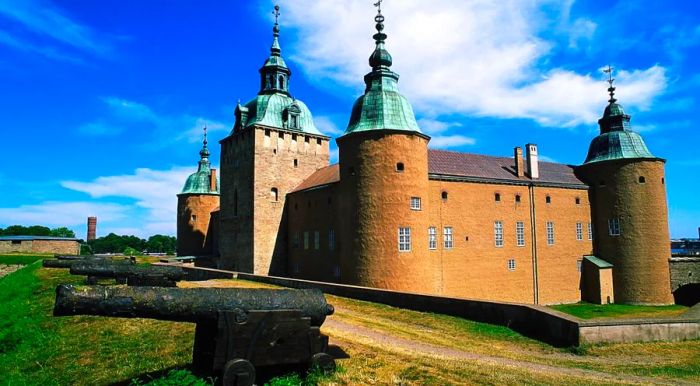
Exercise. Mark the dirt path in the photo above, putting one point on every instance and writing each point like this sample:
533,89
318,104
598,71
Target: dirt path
8,269
333,326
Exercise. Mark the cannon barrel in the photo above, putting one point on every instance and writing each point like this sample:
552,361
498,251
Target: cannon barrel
96,269
186,304
68,263
80,257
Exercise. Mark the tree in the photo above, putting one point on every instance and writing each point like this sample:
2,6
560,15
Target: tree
161,243
62,232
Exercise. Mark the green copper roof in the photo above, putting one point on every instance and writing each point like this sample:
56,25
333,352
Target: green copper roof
616,140
199,182
273,110
382,107
600,263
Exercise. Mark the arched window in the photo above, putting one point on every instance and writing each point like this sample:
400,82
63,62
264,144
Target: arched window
517,198
444,195
273,194
497,197
548,199
281,82
642,180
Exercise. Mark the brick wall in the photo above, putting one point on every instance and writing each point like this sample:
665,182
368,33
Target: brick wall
67,247
193,216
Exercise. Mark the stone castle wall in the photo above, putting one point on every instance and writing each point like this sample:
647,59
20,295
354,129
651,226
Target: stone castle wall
193,216
64,247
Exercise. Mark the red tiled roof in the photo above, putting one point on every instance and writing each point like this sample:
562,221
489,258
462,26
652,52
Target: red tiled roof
323,176
467,165
480,166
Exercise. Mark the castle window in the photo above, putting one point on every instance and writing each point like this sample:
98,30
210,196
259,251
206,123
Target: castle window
444,195
548,199
579,265
294,123
318,141
16,242
520,233
404,239
399,167
235,202
267,132
642,180
281,79
295,240
517,198
590,231
579,231
415,203
336,271
550,233
498,233
447,237
273,194
663,181
511,264
306,240
614,227
432,238
497,197
194,217
294,137
578,201
317,240
331,239
296,162
307,139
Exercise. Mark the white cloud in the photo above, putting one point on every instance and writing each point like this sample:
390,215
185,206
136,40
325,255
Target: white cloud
326,125
479,58
154,191
449,141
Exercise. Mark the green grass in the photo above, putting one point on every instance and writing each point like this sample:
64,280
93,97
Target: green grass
21,259
593,311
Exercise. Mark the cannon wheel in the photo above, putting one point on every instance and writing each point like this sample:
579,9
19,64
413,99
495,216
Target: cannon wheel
324,362
239,372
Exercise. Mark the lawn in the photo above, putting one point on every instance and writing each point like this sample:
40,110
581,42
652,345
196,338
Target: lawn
37,348
593,311
11,259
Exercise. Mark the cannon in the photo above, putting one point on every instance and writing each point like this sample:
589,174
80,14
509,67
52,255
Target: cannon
132,275
237,328
68,262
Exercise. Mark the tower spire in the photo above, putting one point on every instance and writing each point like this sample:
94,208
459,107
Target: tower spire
380,58
275,50
274,74
204,153
610,81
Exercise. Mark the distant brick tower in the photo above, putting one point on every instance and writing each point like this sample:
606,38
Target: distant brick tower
628,209
199,197
272,148
383,180
91,228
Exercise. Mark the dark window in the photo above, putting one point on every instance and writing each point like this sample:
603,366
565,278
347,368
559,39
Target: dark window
662,181
16,242
497,196
294,137
318,141
578,201
444,195
194,217
642,180
399,167
602,183
307,139
517,198
282,82
296,162
267,132
273,194
235,202
548,200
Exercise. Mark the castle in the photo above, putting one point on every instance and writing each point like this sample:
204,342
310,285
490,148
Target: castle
394,214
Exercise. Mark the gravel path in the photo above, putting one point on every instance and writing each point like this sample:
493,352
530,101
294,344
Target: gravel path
8,269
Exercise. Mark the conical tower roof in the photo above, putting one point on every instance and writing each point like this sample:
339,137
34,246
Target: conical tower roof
199,182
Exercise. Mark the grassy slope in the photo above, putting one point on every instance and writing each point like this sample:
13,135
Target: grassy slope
592,311
20,259
36,348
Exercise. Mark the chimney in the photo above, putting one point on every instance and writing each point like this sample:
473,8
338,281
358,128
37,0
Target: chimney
533,168
91,227
212,180
518,154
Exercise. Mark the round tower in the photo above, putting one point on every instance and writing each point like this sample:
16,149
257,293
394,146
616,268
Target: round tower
628,209
199,197
384,184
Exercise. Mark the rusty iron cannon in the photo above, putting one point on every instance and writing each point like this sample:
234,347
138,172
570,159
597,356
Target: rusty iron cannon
238,329
132,275
67,262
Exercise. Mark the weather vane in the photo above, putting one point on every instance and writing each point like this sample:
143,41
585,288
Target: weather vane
378,4
205,134
276,12
610,80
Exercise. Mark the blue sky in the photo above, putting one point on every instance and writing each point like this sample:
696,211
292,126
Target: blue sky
102,102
